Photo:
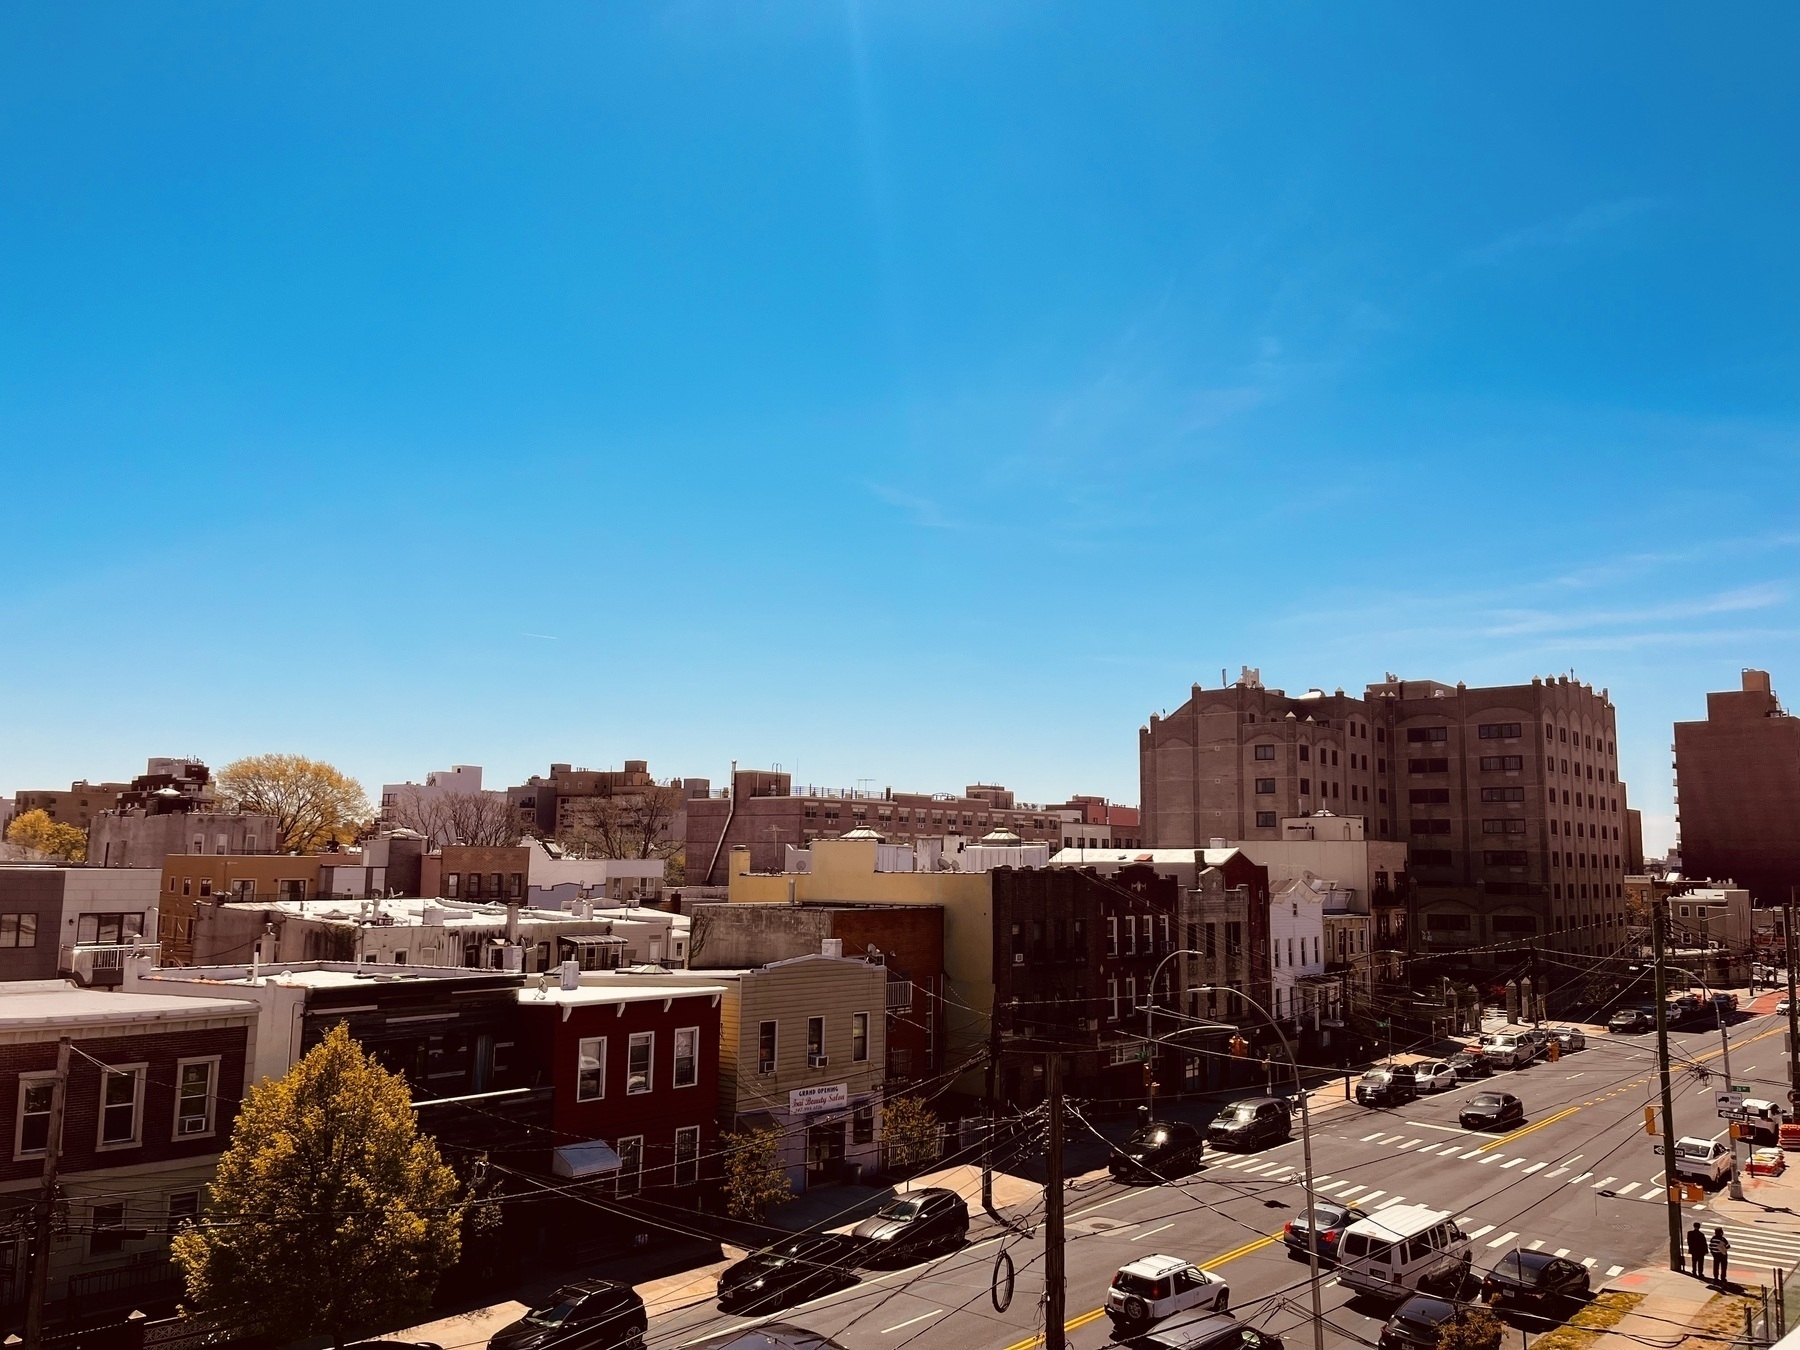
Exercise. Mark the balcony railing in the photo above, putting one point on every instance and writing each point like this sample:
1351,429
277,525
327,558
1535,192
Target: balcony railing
103,961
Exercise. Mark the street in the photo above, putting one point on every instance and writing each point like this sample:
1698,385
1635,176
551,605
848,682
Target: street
1578,1179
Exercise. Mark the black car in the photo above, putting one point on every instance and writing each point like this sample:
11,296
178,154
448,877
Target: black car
1471,1064
394,1345
790,1272
915,1223
1204,1331
1536,1279
770,1336
1491,1110
592,1315
1417,1323
1332,1219
1387,1085
1157,1151
1251,1124
1627,1020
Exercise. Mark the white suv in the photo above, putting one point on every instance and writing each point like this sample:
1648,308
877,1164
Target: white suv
1156,1286
1707,1161
1508,1050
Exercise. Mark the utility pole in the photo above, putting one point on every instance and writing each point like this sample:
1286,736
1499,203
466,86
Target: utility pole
987,1147
1668,1097
42,1234
1737,1185
1055,1285
1793,1037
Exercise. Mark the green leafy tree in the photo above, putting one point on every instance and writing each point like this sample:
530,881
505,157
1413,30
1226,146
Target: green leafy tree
313,803
330,1213
35,830
910,1132
1473,1329
755,1181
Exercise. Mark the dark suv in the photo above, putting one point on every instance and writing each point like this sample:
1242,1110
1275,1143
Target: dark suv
592,1315
1251,1124
1158,1151
1387,1085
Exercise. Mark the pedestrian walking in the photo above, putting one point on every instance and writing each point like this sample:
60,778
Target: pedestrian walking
1696,1241
1721,1255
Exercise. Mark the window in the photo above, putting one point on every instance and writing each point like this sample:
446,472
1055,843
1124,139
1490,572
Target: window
1431,857
1265,820
631,1164
862,1125
815,1039
1428,766
474,886
1425,735
452,884
194,1094
1265,752
1503,827
1447,923
184,1207
515,885
1503,794
1265,786
590,1069
1112,1002
1212,944
1112,935
859,1037
1305,753
1502,763
1499,731
120,1094
1427,796
1431,827
35,1092
687,1155
765,1047
1305,786
1504,857
639,1052
687,1056
108,929
1234,939
18,930
108,1235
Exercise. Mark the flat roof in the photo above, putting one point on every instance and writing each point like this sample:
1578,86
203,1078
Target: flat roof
601,995
1211,857
49,1003
323,974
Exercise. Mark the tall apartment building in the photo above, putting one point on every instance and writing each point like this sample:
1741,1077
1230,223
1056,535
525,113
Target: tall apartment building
553,807
1738,780
764,813
1508,797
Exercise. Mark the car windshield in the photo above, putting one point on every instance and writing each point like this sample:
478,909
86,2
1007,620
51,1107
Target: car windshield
555,1315
1485,1100
1376,1076
1155,1136
901,1209
1241,1114
1697,1148
1424,1312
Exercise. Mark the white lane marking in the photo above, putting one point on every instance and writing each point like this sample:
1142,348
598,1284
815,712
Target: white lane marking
1410,1142
1570,1162
1485,1228
1587,1261
1347,1194
1367,1137
1492,1157
1447,1129
1576,1181
1615,1272
1503,1238
1371,1195
1653,1197
1535,1167
1139,1237
1516,1162
1387,1139
1538,1246
1253,1168
901,1326
1557,1173
1471,1153
1603,1183
1321,1178
1629,1187
1571,1076
1391,1200
1560,1251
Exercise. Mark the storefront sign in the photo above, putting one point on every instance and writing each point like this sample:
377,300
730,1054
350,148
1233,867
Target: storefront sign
803,1101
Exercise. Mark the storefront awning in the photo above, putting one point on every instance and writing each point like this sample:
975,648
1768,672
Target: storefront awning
592,1159
593,940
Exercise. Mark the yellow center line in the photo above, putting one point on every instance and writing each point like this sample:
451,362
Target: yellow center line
1520,1134
1095,1314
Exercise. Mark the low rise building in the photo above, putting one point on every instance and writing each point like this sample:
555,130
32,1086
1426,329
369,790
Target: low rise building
78,806
153,1088
74,921
541,875
171,808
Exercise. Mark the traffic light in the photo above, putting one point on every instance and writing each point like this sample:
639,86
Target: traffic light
1239,1046
1649,1120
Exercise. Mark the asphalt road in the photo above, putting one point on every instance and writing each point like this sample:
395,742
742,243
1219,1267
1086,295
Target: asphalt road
1579,1179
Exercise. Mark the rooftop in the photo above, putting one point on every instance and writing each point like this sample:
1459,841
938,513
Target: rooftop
58,1003
318,974
1076,857
604,996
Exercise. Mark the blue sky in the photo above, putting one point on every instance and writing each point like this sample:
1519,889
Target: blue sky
921,394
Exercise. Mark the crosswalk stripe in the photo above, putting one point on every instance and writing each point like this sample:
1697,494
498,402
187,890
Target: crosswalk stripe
1629,1187
1352,1191
1492,1157
1471,1153
1535,1167
1587,1261
1557,1173
1603,1183
1615,1272
1256,1168
1562,1251
1576,1181
1321,1178
1485,1228
1538,1246
1503,1238
1388,1140
1516,1162
1410,1142
1464,1218
1371,1195
1391,1200
1367,1137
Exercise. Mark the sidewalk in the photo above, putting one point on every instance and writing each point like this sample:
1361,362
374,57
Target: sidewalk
1671,1303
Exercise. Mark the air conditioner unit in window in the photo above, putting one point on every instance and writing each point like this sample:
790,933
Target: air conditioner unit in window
817,1061
193,1125
1018,958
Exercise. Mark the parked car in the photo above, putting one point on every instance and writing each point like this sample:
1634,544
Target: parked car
1471,1064
1434,1075
915,1223
1707,1161
768,1336
1203,1331
1535,1279
1155,1287
591,1315
1724,1003
1332,1219
1252,1123
1510,1050
1627,1020
394,1345
1158,1151
1387,1085
1569,1039
793,1271
1781,1005
1418,1322
1491,1111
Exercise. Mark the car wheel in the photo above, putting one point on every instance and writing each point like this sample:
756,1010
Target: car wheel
1223,1301
1136,1310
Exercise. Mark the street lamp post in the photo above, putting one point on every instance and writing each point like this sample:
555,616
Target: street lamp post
1312,1232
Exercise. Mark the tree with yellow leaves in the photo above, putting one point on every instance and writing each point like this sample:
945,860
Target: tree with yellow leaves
35,830
330,1214
313,803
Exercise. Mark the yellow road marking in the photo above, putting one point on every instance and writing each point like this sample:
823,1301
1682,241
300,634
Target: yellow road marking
1095,1314
1520,1134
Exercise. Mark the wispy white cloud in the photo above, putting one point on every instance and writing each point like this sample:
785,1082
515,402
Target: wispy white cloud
1520,622
1564,233
924,512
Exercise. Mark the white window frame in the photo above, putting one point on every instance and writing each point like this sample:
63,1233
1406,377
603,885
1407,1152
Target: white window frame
691,1164
637,1037
581,1056
1112,999
636,1174
25,1079
774,1060
212,1099
693,1058
139,1072
1112,934
863,1058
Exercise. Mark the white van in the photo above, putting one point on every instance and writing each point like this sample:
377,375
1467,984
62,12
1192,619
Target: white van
1393,1252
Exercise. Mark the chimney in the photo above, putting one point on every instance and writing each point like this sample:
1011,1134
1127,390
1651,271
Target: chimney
1215,843
512,922
831,946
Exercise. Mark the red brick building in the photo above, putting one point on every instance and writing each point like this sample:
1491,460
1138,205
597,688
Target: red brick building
635,1074
152,1091
1738,773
